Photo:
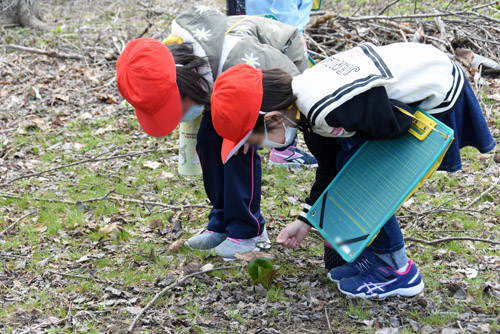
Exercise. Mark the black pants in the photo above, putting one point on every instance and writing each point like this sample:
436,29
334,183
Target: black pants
233,188
235,7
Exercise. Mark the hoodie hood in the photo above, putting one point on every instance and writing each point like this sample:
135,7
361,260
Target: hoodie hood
204,28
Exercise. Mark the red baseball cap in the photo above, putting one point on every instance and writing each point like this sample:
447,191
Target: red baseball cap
146,78
236,101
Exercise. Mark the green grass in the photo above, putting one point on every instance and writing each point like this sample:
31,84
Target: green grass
136,255
146,260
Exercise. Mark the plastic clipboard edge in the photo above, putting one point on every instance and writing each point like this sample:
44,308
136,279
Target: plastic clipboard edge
413,188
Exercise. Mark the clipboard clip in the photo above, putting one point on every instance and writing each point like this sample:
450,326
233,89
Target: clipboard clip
421,126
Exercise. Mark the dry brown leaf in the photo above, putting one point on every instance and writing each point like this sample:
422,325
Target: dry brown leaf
207,267
92,226
40,123
176,245
31,123
57,121
465,54
251,255
101,131
85,115
61,97
108,228
108,98
90,76
166,175
40,228
35,93
151,164
191,268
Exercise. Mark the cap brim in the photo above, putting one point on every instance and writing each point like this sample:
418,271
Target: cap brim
164,120
229,147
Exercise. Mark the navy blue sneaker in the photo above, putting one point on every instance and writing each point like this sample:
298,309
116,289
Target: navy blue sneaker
363,263
382,281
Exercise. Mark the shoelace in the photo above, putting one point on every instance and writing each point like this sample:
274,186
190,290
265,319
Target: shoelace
235,240
363,265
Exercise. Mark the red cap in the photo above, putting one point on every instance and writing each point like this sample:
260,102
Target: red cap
236,101
146,78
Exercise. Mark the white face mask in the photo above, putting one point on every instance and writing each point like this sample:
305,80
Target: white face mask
290,134
193,113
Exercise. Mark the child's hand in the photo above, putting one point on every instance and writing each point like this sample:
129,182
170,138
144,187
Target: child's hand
244,148
293,234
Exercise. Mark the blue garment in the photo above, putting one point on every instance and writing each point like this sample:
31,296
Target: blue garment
467,120
234,188
470,127
295,13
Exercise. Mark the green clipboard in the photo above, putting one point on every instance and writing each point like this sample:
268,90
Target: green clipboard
374,183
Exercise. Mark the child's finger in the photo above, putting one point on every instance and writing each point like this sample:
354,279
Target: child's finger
246,147
287,243
282,237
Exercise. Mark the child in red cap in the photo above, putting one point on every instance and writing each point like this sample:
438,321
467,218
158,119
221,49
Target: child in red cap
338,104
168,84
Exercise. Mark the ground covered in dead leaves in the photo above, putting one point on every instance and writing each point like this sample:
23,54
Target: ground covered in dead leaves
90,207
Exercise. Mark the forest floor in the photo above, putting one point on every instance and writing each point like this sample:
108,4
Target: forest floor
90,206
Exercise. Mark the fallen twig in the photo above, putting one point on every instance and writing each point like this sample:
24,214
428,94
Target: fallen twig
167,288
387,7
94,159
11,149
16,222
320,20
438,241
469,190
328,320
413,16
49,53
79,276
484,193
324,51
469,211
47,323
131,200
7,130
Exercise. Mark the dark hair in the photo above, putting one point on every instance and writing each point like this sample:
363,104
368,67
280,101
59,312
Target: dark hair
278,94
191,83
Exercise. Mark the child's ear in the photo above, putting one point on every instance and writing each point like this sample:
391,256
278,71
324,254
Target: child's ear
272,116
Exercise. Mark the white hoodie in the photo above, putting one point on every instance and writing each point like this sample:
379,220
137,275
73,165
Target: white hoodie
410,72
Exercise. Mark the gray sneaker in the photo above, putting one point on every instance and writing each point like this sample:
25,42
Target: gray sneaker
231,246
206,240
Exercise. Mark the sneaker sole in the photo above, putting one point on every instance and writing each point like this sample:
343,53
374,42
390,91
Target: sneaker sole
408,292
292,164
256,249
198,249
331,278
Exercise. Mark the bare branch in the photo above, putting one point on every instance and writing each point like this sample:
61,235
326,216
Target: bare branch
170,287
387,7
438,241
94,159
16,222
48,53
